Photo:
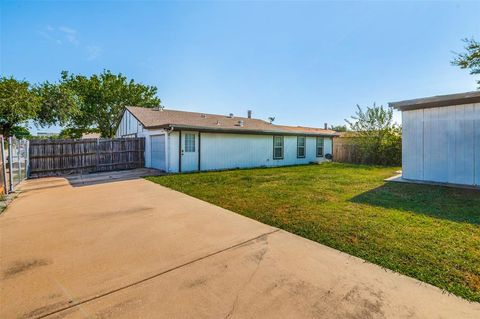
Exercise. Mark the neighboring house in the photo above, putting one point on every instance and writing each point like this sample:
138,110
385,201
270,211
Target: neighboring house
441,138
46,134
90,135
178,141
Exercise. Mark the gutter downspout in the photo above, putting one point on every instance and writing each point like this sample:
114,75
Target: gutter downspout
180,151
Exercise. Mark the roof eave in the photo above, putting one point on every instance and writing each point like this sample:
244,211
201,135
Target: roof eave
237,131
437,101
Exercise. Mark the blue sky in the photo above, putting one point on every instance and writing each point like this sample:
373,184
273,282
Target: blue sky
305,63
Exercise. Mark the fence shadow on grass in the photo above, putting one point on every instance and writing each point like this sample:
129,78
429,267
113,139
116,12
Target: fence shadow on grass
454,204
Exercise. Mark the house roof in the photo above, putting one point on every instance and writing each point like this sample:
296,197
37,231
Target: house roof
437,101
151,118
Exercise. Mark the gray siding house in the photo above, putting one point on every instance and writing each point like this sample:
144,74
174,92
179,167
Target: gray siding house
178,141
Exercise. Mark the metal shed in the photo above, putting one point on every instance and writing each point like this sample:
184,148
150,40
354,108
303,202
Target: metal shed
441,138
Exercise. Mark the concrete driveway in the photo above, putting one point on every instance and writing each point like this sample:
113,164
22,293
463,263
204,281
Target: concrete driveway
131,249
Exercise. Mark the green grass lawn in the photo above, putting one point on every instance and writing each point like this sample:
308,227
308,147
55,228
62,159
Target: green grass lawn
427,232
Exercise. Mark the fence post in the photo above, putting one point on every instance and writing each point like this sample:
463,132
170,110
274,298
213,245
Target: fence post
19,144
98,156
27,158
10,164
4,167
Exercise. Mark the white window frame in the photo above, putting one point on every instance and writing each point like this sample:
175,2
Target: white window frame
304,146
278,147
189,142
320,146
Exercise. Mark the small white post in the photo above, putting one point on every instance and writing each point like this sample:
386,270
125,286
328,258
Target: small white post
10,164
4,167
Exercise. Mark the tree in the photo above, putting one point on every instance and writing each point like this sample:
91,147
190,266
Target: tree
378,138
20,132
470,59
102,99
58,104
339,128
71,132
18,103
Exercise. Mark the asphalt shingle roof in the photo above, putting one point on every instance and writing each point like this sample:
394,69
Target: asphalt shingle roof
151,118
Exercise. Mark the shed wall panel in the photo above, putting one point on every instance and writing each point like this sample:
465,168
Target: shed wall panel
476,124
412,146
442,144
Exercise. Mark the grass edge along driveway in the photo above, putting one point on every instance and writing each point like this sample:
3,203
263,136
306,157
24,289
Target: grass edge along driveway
427,232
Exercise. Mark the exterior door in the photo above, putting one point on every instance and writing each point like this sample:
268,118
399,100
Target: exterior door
189,151
157,151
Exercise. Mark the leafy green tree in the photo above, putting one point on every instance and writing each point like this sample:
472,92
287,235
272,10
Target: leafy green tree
20,132
339,128
470,59
71,132
58,104
378,138
18,103
102,99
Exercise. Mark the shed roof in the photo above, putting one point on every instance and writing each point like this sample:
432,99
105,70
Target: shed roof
151,118
437,101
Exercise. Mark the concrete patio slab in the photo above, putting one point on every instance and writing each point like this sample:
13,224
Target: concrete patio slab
132,248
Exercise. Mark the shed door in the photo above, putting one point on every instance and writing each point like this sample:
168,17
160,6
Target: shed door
157,146
189,151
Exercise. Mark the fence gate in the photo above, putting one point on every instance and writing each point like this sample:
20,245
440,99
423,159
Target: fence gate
14,163
65,157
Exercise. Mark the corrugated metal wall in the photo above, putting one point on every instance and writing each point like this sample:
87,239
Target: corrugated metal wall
442,144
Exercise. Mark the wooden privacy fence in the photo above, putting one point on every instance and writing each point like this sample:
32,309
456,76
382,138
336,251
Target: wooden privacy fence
345,151
64,157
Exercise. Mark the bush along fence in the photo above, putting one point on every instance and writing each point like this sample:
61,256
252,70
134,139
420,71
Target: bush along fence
65,157
358,150
14,158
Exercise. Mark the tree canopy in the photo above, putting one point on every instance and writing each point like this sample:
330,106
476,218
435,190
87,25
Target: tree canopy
377,136
102,99
470,59
18,103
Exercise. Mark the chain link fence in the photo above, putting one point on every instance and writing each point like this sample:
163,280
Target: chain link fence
14,158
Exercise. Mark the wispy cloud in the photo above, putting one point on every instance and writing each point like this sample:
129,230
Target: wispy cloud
70,34
93,52
67,35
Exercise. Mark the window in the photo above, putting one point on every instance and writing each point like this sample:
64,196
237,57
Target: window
301,146
189,142
319,146
278,147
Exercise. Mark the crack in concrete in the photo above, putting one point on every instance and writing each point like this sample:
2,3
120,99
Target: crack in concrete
73,305
259,260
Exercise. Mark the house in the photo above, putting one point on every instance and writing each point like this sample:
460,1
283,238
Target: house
90,135
441,138
178,141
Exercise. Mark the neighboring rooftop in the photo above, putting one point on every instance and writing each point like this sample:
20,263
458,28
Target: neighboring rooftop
154,118
437,101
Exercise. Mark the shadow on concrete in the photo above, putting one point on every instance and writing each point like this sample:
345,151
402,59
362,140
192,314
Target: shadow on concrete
108,177
454,204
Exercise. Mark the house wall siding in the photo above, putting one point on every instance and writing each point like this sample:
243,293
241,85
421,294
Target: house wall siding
128,125
226,151
222,150
442,144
